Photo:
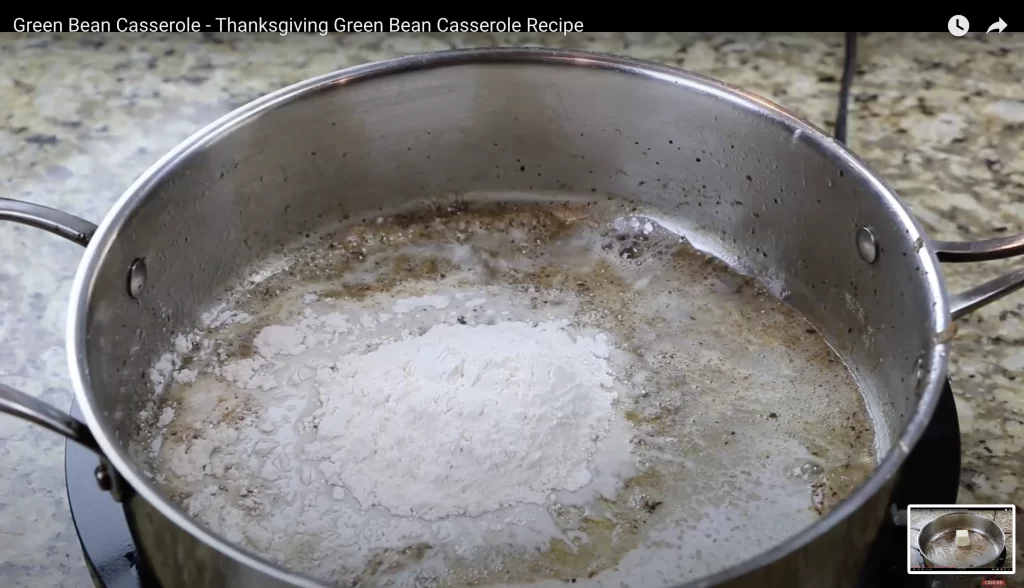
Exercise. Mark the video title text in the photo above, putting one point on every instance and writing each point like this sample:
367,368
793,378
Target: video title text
289,26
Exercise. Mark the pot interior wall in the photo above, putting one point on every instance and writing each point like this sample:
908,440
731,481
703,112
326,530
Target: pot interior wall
755,190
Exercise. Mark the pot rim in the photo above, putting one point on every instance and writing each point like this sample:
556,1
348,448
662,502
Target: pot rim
935,361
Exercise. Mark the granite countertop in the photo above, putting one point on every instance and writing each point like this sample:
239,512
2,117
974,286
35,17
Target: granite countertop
941,118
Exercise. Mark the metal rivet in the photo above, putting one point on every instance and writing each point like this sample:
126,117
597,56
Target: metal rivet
136,278
103,479
866,245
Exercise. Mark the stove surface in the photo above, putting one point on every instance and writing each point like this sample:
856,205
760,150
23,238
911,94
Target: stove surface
930,476
102,528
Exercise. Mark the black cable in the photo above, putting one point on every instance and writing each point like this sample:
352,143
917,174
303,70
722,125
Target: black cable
849,70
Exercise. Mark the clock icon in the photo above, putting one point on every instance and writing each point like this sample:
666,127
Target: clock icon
958,25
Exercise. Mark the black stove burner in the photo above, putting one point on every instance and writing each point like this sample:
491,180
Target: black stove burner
931,476
101,524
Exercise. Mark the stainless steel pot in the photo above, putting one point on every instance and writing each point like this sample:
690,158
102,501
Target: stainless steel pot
767,190
937,544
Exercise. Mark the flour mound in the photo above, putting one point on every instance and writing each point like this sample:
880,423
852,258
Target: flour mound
465,419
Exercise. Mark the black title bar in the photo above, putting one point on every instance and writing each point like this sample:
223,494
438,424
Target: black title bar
461,21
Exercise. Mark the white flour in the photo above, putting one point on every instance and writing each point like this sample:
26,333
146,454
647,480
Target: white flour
464,420
344,434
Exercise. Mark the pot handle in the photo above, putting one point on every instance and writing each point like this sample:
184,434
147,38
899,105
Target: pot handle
963,303
48,219
15,402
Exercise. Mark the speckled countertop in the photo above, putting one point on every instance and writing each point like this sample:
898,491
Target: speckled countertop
941,118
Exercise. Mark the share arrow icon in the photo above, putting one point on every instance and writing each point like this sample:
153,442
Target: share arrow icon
998,26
